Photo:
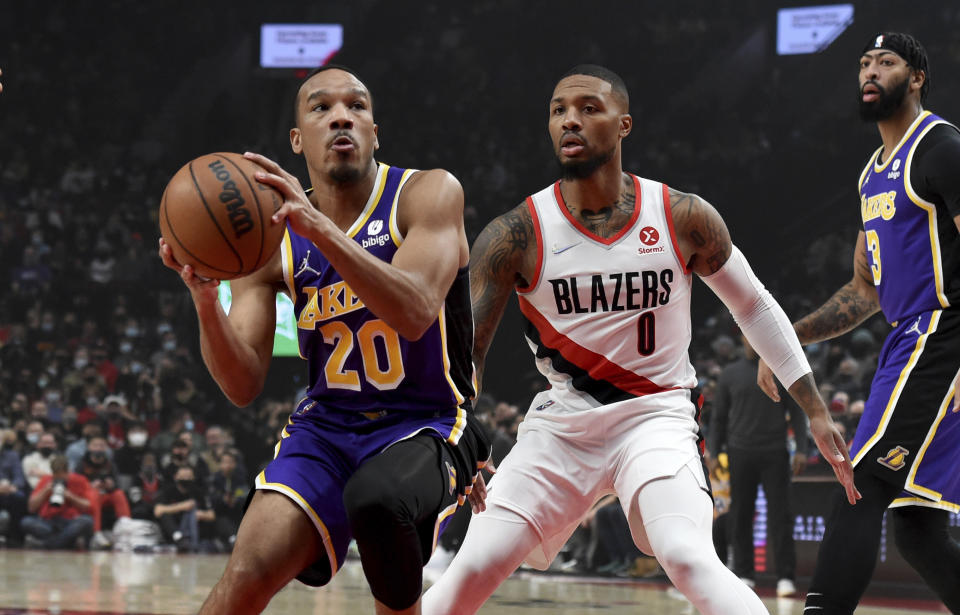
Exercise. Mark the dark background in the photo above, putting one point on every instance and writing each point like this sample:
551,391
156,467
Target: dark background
772,141
104,101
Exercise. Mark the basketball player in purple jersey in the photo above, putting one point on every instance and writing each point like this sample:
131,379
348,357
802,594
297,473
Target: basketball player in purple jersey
906,451
382,448
602,264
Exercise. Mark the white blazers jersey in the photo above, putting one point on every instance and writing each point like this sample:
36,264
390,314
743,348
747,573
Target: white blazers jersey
608,318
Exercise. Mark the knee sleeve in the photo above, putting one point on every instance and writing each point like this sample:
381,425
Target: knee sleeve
392,503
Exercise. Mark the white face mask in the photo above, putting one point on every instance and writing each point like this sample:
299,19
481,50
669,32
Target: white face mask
33,438
137,438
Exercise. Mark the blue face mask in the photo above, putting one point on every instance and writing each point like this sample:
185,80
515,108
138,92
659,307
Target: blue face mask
188,425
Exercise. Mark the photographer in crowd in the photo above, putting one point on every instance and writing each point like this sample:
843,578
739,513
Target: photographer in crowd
59,507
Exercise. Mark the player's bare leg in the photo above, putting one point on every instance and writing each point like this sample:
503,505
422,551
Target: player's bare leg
275,542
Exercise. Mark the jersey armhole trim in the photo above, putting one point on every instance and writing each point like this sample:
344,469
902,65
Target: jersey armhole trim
539,239
286,262
395,233
668,214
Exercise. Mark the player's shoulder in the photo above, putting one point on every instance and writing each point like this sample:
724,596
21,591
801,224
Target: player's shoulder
431,179
942,136
516,221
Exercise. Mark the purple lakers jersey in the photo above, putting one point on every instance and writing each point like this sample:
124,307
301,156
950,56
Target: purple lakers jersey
356,361
905,234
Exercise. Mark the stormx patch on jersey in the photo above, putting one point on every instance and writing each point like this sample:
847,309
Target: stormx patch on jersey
895,458
545,405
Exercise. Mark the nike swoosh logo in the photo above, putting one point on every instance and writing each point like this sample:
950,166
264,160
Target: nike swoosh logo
557,250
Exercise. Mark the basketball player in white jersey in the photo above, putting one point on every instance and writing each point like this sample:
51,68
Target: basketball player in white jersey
601,262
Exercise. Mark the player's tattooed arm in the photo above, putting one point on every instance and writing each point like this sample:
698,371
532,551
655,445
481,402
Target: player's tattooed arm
498,263
704,240
852,304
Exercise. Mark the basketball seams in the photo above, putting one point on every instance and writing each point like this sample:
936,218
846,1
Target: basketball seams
165,214
213,218
262,225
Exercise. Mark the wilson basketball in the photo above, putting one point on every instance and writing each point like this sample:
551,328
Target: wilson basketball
216,217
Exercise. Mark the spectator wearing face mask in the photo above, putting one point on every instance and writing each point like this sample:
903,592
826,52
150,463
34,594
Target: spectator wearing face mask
31,435
145,488
127,459
228,490
37,464
69,427
78,449
117,415
109,503
59,508
13,491
181,454
182,506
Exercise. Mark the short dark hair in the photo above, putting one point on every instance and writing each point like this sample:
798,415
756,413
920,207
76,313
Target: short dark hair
908,48
321,69
601,72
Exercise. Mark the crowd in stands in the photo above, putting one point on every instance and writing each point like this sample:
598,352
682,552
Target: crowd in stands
107,413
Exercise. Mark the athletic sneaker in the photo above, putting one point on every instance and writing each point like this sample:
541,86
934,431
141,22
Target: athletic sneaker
786,588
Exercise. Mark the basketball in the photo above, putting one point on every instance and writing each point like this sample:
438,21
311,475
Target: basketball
216,216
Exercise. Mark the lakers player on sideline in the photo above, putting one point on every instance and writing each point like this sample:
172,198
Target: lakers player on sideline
383,446
602,264
906,450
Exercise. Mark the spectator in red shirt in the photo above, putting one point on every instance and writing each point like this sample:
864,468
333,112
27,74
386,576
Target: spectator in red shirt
106,496
59,510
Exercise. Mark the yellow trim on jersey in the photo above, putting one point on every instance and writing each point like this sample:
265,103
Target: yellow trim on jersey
446,512
286,262
931,210
890,156
866,169
371,205
457,429
895,395
261,482
394,227
446,357
912,486
942,504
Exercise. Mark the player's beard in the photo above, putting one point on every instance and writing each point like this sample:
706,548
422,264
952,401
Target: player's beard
580,169
886,105
347,173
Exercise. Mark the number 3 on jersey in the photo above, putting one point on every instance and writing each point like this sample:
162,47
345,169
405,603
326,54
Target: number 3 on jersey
873,246
341,337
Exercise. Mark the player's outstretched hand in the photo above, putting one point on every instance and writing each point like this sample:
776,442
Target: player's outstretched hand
304,218
478,493
766,382
200,287
834,451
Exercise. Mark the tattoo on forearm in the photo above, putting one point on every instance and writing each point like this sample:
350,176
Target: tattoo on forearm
842,312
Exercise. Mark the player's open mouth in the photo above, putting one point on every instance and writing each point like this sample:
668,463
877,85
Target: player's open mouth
870,92
571,145
343,144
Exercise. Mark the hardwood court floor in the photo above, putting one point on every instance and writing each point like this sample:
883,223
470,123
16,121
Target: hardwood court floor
67,583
